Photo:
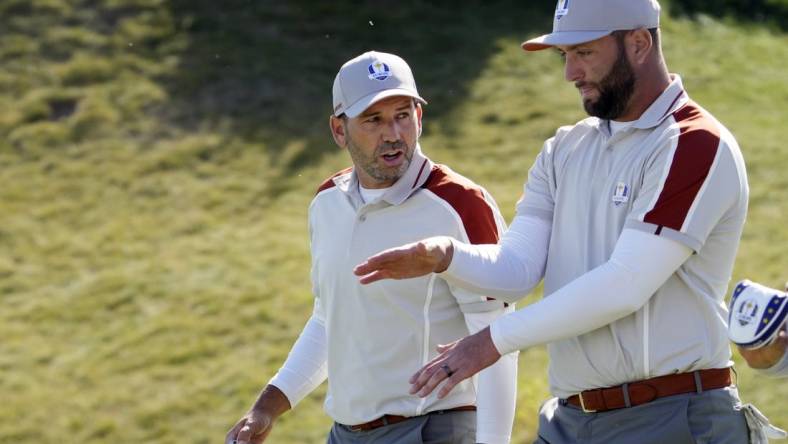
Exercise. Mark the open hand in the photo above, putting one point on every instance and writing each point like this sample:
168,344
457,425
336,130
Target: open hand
457,361
431,255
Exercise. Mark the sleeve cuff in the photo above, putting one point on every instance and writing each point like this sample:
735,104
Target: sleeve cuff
457,251
500,342
290,392
659,230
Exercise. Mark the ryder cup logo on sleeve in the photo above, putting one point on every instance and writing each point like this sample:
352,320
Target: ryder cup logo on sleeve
561,9
756,314
379,71
621,194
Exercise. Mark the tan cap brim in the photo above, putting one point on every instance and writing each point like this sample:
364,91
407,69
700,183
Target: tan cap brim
370,99
562,38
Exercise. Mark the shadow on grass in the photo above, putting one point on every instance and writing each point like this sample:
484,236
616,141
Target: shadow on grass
264,70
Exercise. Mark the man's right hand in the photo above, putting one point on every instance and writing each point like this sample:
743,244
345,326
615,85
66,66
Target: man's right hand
253,428
431,255
766,356
256,424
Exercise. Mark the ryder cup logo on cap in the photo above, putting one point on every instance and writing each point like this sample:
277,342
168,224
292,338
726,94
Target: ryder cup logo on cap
379,71
756,314
581,21
369,78
747,312
561,9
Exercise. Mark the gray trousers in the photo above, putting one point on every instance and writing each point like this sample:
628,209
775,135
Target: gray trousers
436,428
711,417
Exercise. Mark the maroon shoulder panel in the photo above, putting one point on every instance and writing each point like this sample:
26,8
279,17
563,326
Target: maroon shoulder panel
699,139
468,201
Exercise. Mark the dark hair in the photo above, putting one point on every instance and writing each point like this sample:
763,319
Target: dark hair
619,35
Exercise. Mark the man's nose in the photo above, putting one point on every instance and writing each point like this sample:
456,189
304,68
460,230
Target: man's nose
572,70
392,131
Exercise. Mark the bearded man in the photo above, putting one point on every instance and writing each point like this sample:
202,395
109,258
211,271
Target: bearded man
633,217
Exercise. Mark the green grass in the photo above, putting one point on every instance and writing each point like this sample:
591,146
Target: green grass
157,159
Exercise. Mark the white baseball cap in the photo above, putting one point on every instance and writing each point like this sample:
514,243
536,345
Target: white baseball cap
757,314
371,77
580,21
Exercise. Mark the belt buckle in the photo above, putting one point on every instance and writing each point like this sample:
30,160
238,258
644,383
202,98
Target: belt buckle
358,427
583,405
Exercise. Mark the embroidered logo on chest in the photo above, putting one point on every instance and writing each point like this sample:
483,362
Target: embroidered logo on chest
620,194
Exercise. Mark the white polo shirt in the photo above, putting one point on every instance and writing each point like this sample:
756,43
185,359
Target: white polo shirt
378,335
675,172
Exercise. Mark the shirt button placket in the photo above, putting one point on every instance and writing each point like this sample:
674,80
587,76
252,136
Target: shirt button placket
361,216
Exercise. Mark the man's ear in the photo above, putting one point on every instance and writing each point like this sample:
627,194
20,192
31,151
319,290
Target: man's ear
419,113
639,45
337,125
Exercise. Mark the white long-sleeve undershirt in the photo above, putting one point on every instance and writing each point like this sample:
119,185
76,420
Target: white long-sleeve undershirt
641,262
306,366
496,396
508,270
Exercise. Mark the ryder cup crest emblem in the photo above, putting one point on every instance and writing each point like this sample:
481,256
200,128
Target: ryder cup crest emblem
747,312
620,194
378,71
561,9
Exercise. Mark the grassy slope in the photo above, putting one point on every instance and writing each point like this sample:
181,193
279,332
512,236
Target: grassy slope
157,159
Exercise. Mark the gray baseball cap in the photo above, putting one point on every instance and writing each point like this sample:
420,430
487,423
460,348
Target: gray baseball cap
580,21
371,77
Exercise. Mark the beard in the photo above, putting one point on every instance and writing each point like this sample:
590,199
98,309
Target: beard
372,165
615,90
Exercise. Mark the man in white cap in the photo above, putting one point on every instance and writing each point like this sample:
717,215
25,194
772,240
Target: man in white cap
367,340
633,217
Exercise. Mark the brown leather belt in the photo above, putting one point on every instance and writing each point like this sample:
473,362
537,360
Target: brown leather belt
393,419
641,392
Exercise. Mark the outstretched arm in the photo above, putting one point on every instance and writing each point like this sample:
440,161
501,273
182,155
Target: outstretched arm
639,265
507,270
